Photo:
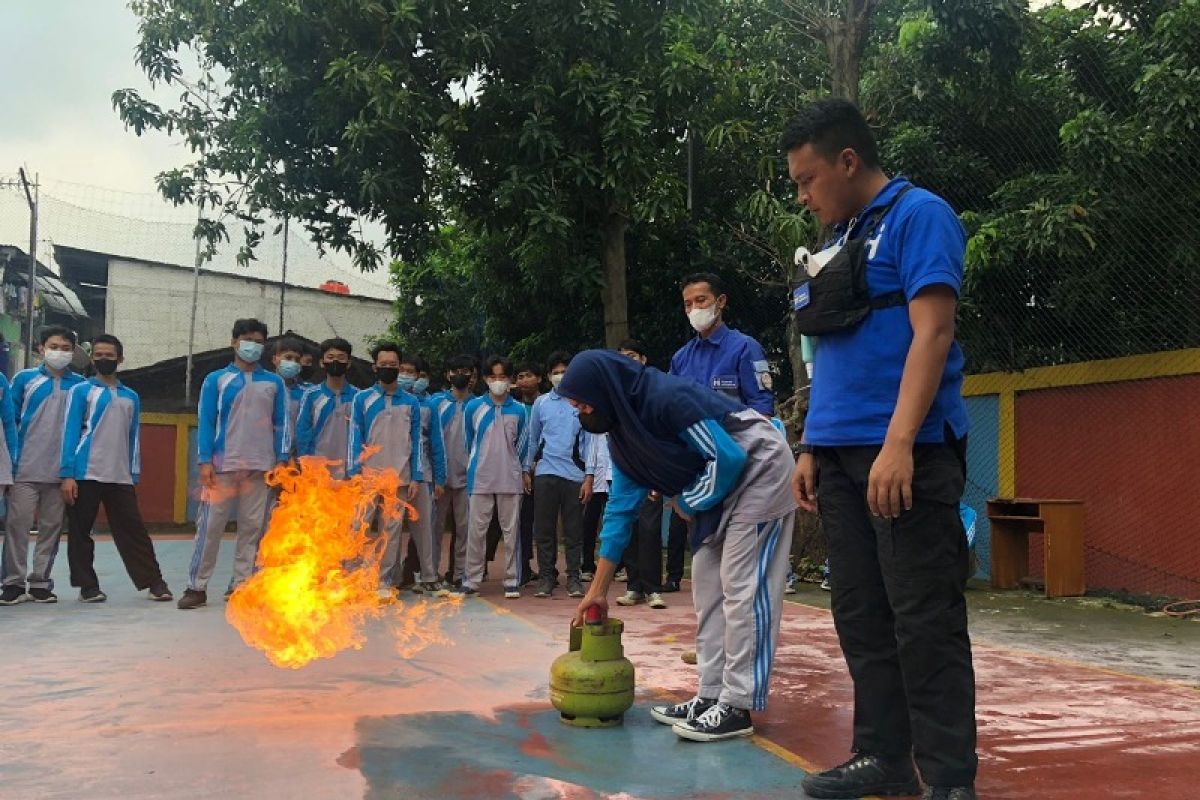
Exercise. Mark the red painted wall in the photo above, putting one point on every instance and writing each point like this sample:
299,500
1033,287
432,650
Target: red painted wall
1131,451
156,489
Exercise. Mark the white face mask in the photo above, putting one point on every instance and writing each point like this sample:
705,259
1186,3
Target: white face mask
57,359
555,380
702,318
498,388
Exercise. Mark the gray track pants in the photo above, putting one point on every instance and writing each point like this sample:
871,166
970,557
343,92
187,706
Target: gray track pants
737,588
27,501
248,491
507,507
420,530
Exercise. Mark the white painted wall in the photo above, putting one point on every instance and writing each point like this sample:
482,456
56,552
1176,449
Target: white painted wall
149,309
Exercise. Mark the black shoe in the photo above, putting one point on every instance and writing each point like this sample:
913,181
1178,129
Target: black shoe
192,599
160,592
464,591
92,594
670,586
545,589
722,721
574,588
864,775
13,595
43,596
681,712
949,793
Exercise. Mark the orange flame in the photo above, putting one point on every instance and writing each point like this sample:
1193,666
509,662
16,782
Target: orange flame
318,570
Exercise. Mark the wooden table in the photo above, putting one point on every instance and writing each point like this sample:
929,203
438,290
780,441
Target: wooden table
1061,521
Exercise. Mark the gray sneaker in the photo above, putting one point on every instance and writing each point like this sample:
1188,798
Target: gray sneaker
545,589
574,587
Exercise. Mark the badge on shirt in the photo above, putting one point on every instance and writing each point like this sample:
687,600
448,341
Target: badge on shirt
725,383
801,297
762,373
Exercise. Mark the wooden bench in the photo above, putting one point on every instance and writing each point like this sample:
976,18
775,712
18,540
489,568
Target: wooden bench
1060,521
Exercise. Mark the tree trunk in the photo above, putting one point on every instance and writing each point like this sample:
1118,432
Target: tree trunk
612,293
845,39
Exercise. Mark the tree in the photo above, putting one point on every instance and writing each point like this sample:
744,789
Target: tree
320,111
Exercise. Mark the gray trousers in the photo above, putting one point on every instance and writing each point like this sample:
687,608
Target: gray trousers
737,588
26,501
420,531
552,496
507,508
248,491
454,501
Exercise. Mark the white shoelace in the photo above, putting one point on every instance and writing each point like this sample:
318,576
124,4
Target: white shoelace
690,706
714,716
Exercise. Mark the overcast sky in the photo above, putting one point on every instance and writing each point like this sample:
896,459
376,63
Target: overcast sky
63,60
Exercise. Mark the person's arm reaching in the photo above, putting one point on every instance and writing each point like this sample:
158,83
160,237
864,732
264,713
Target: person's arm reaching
624,499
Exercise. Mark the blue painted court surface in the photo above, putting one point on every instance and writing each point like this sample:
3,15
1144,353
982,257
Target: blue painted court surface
134,699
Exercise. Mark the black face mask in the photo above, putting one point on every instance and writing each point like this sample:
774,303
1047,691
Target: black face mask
460,381
105,366
335,369
306,372
596,422
387,375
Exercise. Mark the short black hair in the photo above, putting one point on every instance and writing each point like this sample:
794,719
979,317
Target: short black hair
286,343
529,366
385,347
711,278
633,345
831,126
57,330
461,361
558,357
335,344
504,363
417,360
108,338
250,325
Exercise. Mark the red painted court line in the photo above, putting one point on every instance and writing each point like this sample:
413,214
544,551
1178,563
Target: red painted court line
1062,730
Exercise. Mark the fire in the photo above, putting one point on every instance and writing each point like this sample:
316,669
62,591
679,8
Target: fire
317,581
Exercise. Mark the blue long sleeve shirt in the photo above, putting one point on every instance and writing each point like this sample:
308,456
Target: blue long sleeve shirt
724,461
323,424
498,442
8,429
243,420
730,362
557,442
451,415
102,434
385,433
433,448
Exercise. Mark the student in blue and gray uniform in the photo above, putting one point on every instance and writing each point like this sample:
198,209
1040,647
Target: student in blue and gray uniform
288,353
884,460
243,432
450,407
727,468
562,483
497,439
420,564
385,434
323,421
101,460
39,397
8,446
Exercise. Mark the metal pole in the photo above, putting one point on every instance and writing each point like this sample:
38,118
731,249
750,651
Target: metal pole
283,277
187,380
33,237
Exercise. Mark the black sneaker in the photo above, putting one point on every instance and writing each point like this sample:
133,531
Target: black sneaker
464,591
12,595
160,592
949,793
43,596
92,594
670,586
681,712
545,589
864,775
721,721
574,588
192,599
512,593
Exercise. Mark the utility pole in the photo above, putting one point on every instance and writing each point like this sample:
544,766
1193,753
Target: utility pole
31,198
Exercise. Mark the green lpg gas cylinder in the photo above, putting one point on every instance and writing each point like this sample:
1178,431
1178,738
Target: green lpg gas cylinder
592,684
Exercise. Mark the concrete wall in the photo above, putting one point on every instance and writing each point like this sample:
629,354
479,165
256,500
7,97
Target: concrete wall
149,307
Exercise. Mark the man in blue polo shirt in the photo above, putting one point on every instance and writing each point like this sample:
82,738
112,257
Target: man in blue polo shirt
720,357
884,461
